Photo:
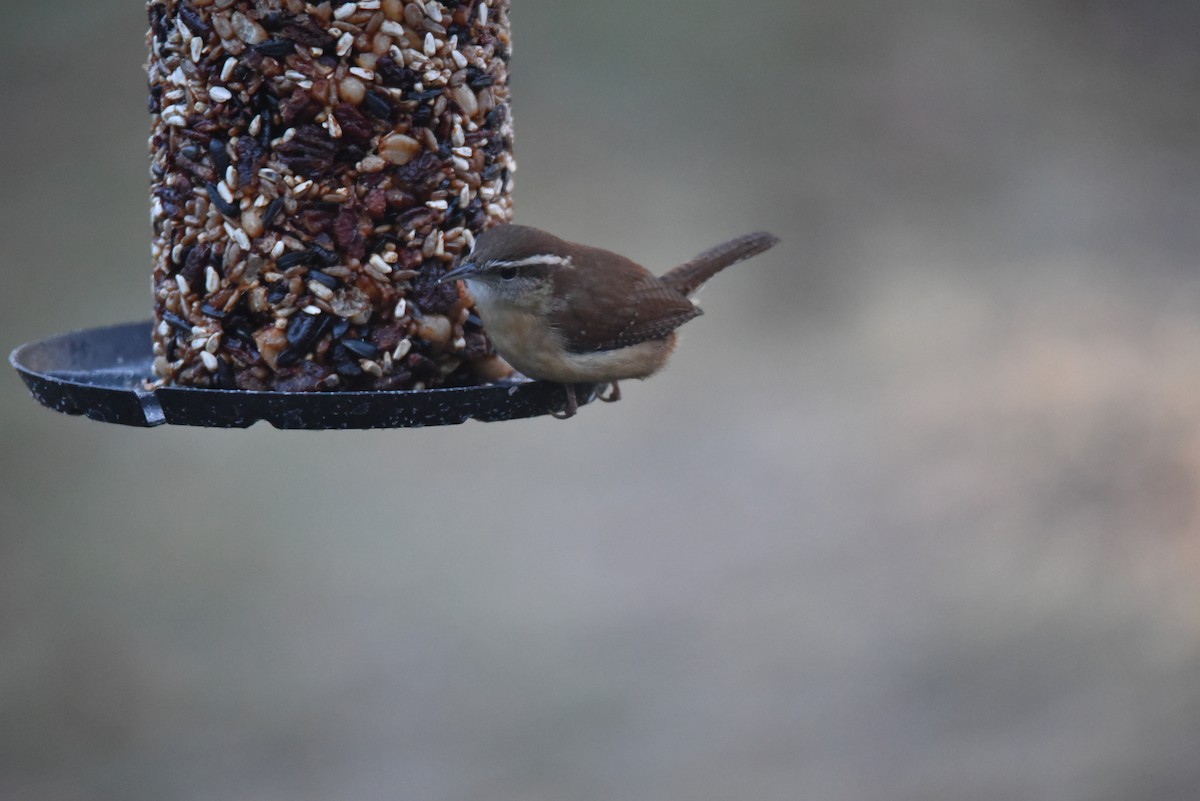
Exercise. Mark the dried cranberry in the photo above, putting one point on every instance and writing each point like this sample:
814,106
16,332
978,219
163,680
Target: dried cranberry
251,157
393,74
307,376
305,30
429,295
300,108
419,171
376,203
310,152
194,21
194,264
347,233
387,336
477,345
421,365
356,129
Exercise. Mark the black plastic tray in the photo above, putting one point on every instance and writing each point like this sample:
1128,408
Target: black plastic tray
99,372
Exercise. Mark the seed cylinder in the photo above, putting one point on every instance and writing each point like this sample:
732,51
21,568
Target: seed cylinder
315,168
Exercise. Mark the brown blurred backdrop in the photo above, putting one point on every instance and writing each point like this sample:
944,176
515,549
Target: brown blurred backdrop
911,517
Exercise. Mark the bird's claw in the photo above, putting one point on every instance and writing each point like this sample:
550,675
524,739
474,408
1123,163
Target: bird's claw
571,407
614,393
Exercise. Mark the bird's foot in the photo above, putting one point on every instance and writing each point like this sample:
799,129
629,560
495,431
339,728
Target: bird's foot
614,393
572,404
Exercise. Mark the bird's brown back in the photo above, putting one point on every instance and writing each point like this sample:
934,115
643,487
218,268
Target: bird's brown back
617,305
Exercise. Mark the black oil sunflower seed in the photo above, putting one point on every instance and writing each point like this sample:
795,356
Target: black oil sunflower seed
277,291
376,106
177,322
362,348
276,48
273,209
327,257
224,206
220,156
292,258
289,357
324,278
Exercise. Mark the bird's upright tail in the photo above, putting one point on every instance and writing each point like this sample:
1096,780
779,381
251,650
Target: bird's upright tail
690,276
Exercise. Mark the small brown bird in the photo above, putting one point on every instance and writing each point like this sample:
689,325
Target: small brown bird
558,311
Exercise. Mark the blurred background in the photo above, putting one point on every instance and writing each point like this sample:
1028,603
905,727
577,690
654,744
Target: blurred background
912,515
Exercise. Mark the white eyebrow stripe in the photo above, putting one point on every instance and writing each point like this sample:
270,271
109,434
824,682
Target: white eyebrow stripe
541,258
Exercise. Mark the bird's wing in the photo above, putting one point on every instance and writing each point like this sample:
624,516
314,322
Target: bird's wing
638,307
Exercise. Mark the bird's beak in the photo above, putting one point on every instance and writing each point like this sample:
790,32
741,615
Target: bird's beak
464,270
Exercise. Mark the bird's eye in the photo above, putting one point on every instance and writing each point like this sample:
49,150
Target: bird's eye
508,273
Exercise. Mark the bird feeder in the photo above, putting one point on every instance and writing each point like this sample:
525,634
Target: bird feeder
315,169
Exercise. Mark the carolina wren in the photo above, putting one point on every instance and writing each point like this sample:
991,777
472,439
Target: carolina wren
559,311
